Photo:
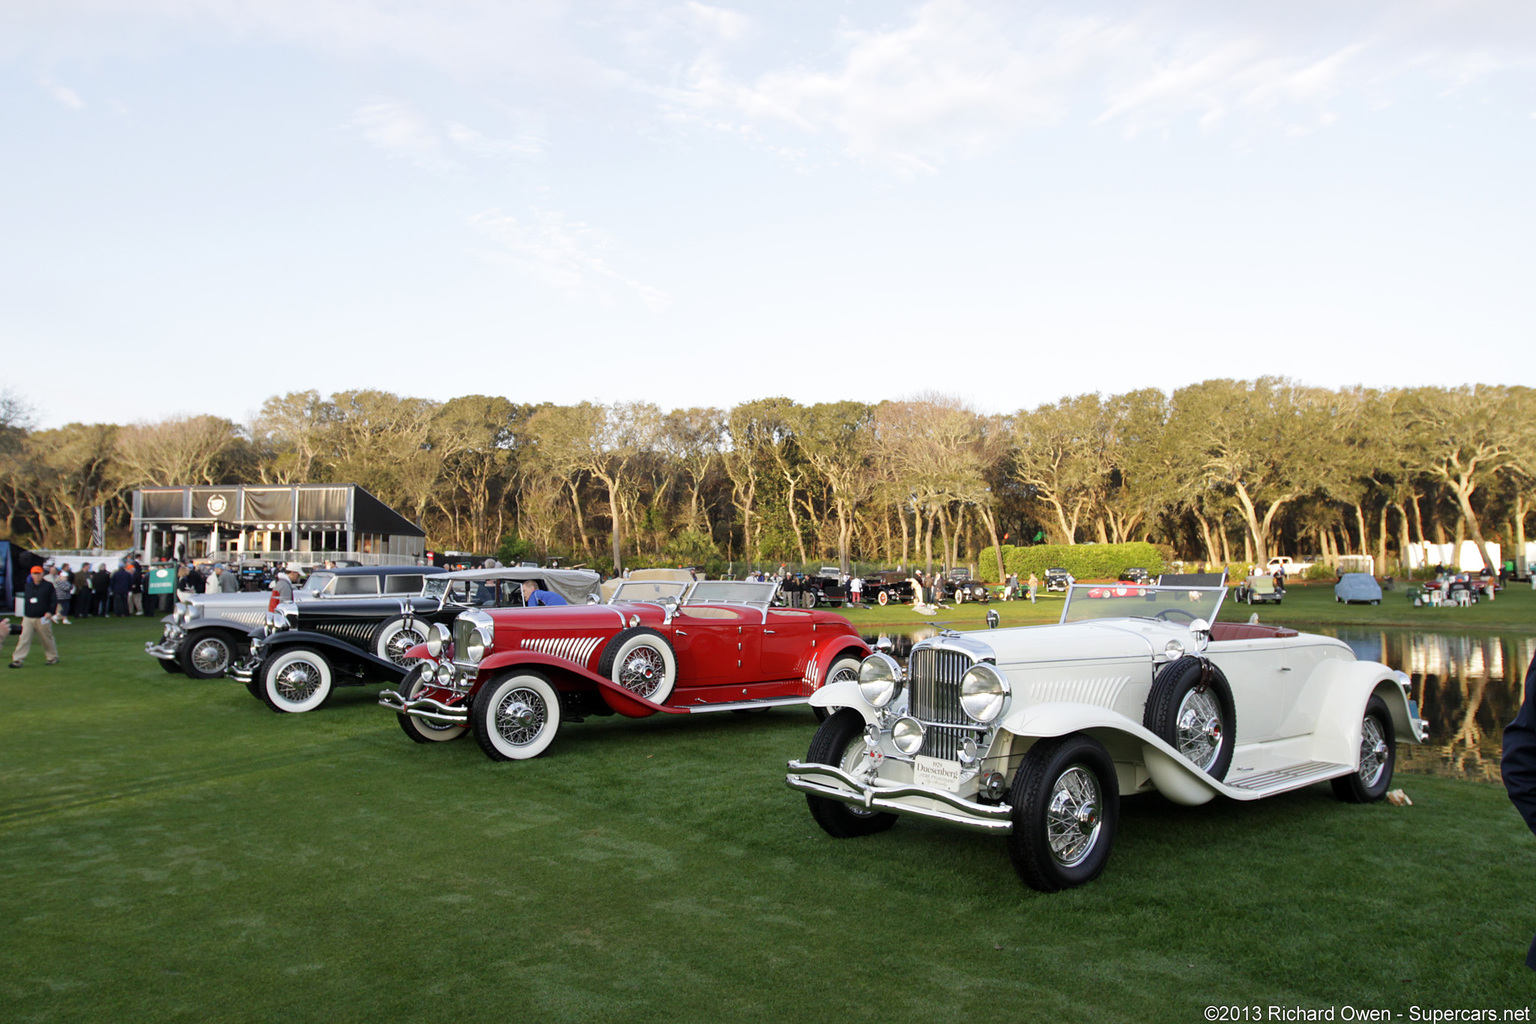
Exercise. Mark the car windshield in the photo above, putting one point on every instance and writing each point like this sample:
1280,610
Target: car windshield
647,590
317,583
759,595
1088,601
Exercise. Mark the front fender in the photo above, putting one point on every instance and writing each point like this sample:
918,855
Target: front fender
843,695
343,652
1128,742
621,700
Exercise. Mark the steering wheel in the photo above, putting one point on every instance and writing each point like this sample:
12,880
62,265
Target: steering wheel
1167,613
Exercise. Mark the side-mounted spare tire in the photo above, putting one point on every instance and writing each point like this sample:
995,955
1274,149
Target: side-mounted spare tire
396,636
1190,708
641,660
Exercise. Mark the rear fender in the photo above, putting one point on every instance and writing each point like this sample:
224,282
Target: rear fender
1343,688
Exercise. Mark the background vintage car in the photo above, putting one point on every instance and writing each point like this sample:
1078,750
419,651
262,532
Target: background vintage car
309,647
965,590
512,676
206,633
1258,589
1035,733
888,586
1357,586
1057,578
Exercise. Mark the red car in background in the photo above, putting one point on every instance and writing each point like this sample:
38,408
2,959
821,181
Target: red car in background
513,675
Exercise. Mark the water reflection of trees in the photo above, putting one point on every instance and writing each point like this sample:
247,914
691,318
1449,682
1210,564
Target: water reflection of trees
1468,688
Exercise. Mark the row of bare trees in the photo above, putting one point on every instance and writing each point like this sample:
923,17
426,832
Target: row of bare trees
1222,470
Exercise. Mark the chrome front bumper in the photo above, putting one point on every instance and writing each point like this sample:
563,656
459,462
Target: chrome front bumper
164,650
169,644
900,798
425,707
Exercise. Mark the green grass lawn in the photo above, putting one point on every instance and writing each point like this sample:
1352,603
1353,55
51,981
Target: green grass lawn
175,851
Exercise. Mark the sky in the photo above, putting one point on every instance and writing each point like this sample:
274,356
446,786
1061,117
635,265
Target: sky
208,203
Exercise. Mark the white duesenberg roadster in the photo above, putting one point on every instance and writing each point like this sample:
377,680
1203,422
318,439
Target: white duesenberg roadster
1036,732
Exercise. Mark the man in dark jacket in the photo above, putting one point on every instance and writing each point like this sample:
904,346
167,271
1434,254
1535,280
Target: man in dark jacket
38,603
1519,766
101,591
122,586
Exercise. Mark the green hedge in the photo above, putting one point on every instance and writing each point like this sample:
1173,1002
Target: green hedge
1083,561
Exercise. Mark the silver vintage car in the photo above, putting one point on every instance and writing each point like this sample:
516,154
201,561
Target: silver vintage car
1036,733
206,633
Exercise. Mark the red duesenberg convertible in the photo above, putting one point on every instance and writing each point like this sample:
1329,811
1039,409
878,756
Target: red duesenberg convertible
513,674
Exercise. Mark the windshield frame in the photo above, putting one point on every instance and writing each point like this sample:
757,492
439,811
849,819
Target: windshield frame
1089,602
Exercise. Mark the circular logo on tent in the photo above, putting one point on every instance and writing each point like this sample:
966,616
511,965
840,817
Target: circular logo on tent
216,504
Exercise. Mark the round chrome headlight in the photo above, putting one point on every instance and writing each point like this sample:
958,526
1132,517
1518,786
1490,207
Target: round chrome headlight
179,613
479,640
274,622
907,734
437,639
983,692
444,675
879,679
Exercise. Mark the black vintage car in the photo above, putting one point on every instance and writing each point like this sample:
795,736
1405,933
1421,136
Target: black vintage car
969,591
1135,574
308,647
206,633
1057,579
888,586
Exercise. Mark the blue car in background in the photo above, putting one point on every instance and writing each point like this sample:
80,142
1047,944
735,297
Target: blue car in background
1357,586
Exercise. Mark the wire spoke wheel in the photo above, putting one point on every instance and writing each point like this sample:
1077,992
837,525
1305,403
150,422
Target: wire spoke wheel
1073,817
1199,727
642,671
520,714
297,682
1373,752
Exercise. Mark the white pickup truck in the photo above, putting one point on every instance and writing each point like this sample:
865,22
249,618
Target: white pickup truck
1290,565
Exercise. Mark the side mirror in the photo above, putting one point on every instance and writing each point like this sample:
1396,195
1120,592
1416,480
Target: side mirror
993,618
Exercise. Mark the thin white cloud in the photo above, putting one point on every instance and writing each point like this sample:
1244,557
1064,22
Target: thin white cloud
565,255
402,132
959,78
65,95
523,146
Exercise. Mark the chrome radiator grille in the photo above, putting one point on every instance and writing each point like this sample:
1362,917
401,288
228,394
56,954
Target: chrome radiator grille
935,681
463,629
934,678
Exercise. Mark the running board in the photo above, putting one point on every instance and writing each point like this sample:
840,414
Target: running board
1279,780
745,705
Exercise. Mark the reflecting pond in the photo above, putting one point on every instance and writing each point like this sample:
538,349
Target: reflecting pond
1468,685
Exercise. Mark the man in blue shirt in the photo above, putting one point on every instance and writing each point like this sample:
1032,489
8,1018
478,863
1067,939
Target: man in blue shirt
534,597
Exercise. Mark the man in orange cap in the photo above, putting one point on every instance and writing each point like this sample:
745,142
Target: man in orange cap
38,603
